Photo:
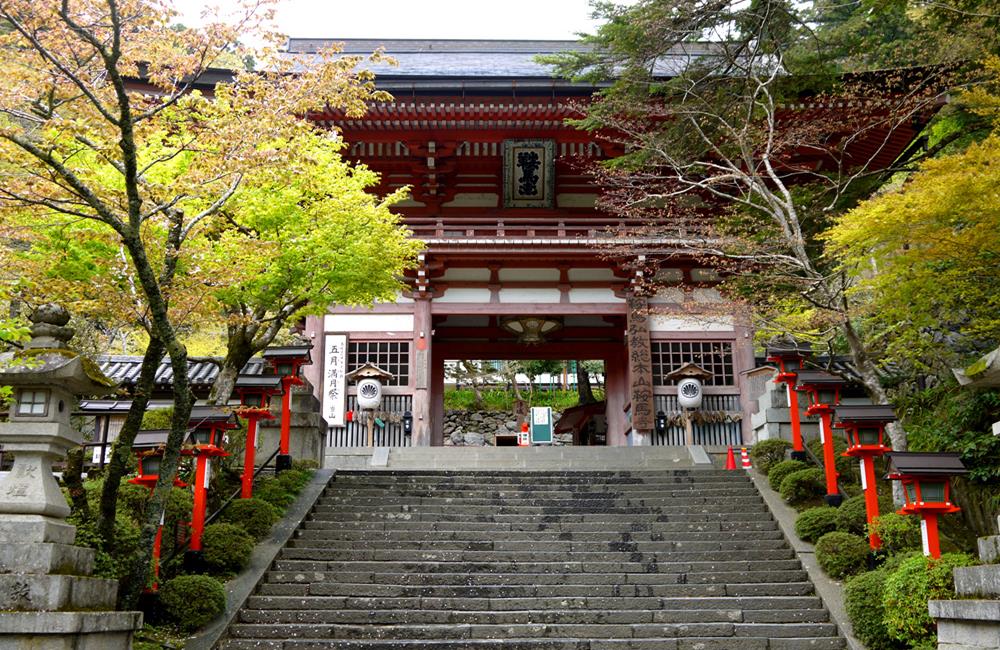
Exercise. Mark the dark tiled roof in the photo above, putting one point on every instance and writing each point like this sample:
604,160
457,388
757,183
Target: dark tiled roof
473,58
924,464
202,371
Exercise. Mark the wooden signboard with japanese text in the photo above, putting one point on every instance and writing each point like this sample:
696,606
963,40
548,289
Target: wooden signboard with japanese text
640,365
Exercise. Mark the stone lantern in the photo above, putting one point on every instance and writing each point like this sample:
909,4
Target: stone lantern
48,600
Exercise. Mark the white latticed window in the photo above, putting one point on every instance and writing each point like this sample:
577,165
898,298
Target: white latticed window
391,356
714,356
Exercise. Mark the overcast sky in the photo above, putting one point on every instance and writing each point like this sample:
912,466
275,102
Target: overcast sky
507,19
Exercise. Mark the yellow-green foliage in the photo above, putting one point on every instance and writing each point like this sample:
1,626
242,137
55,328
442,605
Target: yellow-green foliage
925,257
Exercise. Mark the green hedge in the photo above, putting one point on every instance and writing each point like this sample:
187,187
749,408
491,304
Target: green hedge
271,490
842,554
846,466
802,485
898,532
227,548
193,600
852,517
767,453
782,469
907,590
255,516
863,596
816,522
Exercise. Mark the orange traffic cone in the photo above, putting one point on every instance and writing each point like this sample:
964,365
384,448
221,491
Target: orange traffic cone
730,460
745,458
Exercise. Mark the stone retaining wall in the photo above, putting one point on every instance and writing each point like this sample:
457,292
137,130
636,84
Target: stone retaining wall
479,428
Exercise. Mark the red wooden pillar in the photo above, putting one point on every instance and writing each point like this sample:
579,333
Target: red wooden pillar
869,486
829,454
246,480
202,475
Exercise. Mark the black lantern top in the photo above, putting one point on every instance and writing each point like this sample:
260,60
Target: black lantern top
287,359
910,464
207,421
255,390
789,356
822,387
864,427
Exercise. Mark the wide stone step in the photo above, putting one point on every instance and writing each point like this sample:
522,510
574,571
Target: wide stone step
331,543
538,630
492,528
687,643
566,565
431,496
330,532
500,484
601,616
567,506
284,572
755,604
367,554
563,589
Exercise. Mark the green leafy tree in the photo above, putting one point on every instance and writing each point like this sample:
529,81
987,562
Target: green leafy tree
147,166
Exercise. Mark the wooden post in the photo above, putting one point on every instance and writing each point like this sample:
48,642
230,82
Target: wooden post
688,428
371,428
640,370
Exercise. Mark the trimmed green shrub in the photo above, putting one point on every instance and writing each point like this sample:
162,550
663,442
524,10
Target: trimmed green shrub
293,480
802,485
851,516
272,491
863,599
780,470
907,590
227,548
307,464
816,522
109,562
767,453
842,554
897,532
255,516
193,600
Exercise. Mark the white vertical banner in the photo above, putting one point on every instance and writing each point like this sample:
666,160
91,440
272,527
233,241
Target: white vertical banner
864,474
923,536
334,383
822,430
208,474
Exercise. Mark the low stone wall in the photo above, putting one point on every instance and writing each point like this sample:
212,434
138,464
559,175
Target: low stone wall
479,428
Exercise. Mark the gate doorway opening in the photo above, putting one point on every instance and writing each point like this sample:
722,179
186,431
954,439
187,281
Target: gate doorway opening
487,401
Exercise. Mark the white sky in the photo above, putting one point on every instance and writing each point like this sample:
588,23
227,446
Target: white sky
504,19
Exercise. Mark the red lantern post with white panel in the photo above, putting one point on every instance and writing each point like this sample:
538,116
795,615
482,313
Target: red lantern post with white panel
927,490
789,358
286,362
823,390
864,427
255,393
208,425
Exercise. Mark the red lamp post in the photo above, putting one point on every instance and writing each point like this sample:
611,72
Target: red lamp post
823,390
864,427
789,359
928,494
148,447
255,393
208,425
286,361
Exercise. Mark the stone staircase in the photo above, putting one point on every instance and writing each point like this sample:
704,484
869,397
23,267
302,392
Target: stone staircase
584,560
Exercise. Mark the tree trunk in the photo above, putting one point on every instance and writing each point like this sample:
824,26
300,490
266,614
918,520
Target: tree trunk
583,387
122,447
866,369
72,476
240,348
137,573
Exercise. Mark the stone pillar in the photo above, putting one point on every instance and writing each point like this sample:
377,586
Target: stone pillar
308,432
422,363
47,598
